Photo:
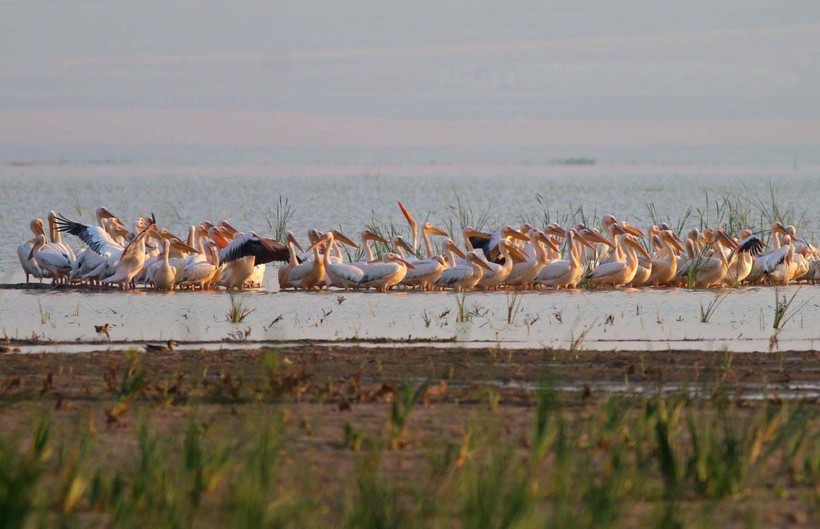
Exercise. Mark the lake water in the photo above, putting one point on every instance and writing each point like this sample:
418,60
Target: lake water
326,196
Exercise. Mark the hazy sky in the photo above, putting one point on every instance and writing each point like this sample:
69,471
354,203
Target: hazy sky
380,73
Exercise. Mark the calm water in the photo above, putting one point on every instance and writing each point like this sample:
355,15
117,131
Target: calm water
328,196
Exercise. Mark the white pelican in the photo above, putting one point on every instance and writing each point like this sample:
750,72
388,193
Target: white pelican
341,275
202,273
425,272
619,272
245,252
386,274
131,260
57,264
426,230
464,276
306,267
523,274
711,270
489,246
30,266
500,272
568,273
756,275
293,260
57,239
665,263
164,275
777,268
741,259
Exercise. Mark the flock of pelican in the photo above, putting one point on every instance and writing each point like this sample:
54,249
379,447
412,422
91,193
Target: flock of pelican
217,255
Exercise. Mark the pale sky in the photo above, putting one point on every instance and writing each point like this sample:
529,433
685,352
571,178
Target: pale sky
420,73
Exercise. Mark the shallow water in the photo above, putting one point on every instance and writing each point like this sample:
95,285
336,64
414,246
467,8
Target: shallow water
347,196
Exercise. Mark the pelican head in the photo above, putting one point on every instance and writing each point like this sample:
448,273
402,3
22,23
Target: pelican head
370,235
292,239
511,232
399,242
39,243
435,230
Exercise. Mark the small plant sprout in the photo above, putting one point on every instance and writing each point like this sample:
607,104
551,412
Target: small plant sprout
781,308
711,307
278,217
238,311
513,306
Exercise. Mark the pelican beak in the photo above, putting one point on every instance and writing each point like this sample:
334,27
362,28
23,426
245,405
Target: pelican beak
516,254
320,242
673,240
555,230
727,241
405,263
635,244
455,249
583,241
406,213
435,230
218,238
227,225
509,231
631,229
400,242
343,238
481,262
182,247
593,238
470,232
370,235
293,240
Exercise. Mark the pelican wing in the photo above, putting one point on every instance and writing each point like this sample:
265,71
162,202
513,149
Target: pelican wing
94,236
751,245
53,258
264,250
554,270
454,275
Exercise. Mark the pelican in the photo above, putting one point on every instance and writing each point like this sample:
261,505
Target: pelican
293,260
464,276
619,272
57,264
341,275
500,272
386,274
245,252
425,272
568,273
202,273
777,268
757,273
523,274
490,246
164,276
300,271
741,259
131,260
665,264
711,270
30,266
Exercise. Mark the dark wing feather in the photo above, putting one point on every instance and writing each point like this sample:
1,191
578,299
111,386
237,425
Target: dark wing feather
80,230
752,245
481,243
264,251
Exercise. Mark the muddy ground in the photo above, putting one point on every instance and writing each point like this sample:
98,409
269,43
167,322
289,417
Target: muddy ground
322,390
